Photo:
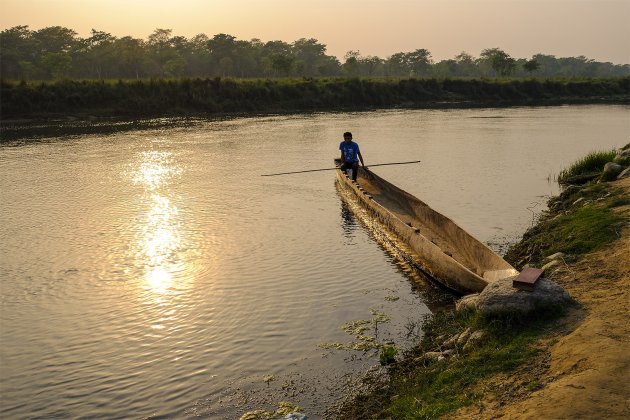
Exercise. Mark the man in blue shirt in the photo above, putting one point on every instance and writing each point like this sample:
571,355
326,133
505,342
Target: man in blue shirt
350,155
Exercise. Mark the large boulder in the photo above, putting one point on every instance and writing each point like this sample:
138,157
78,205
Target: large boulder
500,297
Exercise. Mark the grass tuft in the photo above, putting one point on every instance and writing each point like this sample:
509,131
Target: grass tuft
589,167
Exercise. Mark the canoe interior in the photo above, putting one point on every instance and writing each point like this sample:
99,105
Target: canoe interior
453,241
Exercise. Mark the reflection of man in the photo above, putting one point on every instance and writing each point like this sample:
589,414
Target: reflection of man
350,155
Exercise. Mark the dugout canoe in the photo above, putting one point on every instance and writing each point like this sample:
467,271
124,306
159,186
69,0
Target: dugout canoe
434,243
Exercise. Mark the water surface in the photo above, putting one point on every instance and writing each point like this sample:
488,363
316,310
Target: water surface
156,273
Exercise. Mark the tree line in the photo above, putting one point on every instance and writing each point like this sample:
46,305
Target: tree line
56,52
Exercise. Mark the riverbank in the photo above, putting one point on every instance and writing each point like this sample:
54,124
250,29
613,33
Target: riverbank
558,363
89,99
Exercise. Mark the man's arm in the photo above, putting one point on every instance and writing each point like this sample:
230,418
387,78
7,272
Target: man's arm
361,159
342,159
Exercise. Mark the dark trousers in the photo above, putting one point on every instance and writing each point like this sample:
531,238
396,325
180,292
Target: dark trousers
351,165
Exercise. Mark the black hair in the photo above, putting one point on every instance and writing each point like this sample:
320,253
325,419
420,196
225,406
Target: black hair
347,134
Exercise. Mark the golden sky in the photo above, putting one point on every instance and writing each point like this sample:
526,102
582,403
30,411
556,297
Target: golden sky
597,29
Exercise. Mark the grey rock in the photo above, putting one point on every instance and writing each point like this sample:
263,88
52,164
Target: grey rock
624,174
500,297
467,303
613,168
579,200
295,416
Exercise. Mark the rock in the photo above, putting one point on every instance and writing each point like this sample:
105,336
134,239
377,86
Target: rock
295,416
551,264
613,168
448,352
450,342
624,174
475,338
467,303
579,200
624,153
556,256
463,337
500,297
432,355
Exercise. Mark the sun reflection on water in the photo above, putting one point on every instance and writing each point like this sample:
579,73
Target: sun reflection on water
159,242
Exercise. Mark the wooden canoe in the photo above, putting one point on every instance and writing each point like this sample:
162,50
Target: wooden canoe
436,245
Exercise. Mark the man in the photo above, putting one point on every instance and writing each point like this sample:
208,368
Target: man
350,155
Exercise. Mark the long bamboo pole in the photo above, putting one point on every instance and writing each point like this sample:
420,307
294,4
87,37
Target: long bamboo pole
330,169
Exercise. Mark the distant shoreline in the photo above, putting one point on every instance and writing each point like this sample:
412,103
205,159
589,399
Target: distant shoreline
73,100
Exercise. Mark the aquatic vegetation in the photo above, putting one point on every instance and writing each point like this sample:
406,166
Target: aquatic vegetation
357,327
388,355
379,317
362,342
328,346
283,409
269,378
392,298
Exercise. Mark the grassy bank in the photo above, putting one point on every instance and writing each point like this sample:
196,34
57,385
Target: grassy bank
419,388
220,96
511,359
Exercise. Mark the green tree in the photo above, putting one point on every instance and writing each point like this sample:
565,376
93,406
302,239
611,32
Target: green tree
466,65
221,48
351,63
55,47
281,64
499,61
17,53
411,64
310,56
130,55
100,53
55,39
420,62
531,65
161,51
58,63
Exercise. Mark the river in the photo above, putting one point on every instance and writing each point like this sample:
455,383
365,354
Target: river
155,273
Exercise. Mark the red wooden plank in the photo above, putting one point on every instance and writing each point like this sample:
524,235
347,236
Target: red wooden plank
527,278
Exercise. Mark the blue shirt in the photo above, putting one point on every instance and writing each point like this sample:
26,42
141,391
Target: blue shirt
350,151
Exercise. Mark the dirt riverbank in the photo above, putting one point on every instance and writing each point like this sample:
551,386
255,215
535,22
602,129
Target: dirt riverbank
584,369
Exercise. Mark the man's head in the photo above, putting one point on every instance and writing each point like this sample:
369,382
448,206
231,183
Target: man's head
347,136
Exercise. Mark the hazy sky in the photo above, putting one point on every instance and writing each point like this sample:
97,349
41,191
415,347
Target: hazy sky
597,29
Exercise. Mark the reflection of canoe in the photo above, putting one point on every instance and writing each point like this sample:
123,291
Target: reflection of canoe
443,250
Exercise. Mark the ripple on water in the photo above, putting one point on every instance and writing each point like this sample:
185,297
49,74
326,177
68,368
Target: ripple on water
148,272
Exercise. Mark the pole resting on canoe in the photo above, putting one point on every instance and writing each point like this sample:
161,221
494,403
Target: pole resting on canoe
331,169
